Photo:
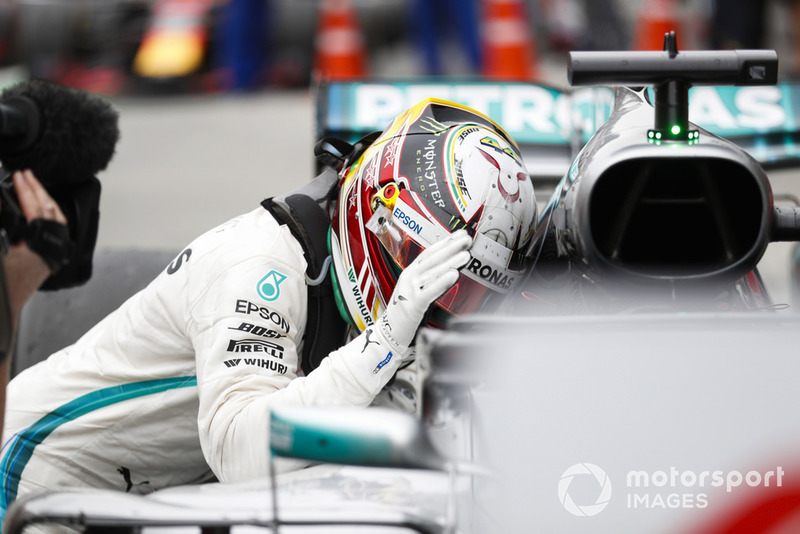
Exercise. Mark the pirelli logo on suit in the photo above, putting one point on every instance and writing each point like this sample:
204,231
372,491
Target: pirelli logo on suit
255,347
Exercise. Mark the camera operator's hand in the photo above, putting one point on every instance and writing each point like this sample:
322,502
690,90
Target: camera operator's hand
25,269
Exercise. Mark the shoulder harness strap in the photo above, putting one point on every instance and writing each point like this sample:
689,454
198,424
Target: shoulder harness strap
304,213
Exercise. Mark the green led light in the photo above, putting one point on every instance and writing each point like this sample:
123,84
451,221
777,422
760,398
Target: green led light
650,134
658,135
676,129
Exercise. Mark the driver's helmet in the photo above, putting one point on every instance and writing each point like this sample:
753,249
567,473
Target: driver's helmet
437,168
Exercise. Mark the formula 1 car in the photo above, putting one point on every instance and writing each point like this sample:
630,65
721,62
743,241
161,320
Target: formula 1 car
641,379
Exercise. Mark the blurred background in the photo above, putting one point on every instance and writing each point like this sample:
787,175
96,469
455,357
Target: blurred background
153,46
145,46
216,97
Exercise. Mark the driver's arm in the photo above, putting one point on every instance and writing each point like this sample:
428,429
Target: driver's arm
247,352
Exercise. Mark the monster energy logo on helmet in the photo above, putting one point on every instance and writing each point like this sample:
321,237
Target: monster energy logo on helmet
433,126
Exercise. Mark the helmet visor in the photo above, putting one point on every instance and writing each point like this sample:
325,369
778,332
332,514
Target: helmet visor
468,296
404,234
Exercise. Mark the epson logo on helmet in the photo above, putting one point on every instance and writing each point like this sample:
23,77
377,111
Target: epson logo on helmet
489,274
407,221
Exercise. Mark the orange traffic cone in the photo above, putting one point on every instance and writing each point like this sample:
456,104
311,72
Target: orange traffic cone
339,49
656,18
509,50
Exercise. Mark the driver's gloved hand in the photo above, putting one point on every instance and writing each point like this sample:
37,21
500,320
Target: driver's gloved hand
427,278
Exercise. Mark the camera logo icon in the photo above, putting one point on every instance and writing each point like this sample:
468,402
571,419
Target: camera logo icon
584,470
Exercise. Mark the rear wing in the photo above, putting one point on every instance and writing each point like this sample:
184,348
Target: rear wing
551,125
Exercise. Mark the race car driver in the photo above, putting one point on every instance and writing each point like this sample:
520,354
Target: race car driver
430,218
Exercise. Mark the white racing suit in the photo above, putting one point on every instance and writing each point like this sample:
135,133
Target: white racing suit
175,386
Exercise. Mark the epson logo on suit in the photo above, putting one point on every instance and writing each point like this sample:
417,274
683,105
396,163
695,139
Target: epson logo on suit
246,307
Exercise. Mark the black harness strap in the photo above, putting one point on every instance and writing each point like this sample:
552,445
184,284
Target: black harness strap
309,223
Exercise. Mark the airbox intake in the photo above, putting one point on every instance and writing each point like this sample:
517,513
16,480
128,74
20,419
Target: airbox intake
669,217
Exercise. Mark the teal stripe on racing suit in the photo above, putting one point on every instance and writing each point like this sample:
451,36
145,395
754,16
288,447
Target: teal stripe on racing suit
22,445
